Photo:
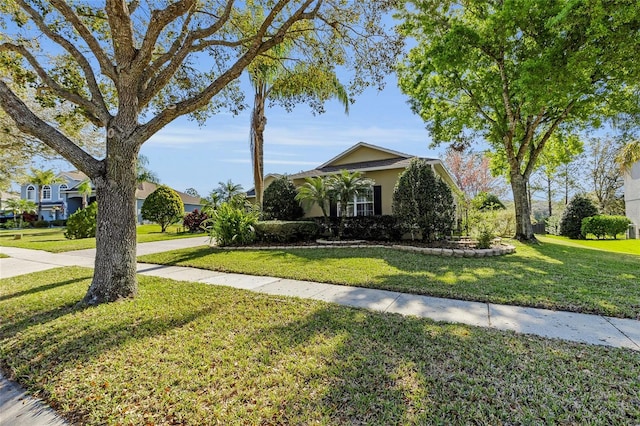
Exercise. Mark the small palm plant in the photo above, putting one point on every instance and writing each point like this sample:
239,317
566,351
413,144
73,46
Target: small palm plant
316,190
345,186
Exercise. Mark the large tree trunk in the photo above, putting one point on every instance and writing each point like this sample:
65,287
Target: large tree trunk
115,265
524,230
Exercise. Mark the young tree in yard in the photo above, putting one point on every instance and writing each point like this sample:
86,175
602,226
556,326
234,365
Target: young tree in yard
19,206
228,190
422,201
163,206
344,187
130,68
514,73
472,173
280,201
42,178
604,175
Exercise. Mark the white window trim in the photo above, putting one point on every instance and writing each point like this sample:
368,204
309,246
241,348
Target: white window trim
352,206
31,193
62,187
44,189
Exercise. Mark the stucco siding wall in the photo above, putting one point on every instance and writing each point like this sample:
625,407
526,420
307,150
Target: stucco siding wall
632,195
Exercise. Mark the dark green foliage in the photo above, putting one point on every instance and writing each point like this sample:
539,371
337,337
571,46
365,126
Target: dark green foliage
193,221
59,222
423,203
577,209
604,225
371,228
276,231
82,223
163,206
279,201
486,201
41,224
231,226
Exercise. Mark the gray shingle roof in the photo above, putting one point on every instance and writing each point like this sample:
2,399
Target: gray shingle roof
390,163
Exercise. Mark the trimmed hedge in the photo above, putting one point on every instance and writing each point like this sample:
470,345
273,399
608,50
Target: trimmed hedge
374,228
605,225
277,231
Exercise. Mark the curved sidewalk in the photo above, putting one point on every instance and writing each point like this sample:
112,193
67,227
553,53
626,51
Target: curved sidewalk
17,408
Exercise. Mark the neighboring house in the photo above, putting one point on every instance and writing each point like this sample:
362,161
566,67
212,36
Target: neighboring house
144,189
382,165
60,200
632,197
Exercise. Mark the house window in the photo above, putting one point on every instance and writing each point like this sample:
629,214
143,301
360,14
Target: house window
362,205
31,193
46,192
61,188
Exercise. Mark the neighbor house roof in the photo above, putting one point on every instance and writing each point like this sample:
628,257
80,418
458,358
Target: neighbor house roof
144,189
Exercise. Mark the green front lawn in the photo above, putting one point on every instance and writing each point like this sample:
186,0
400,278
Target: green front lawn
53,240
549,275
614,246
188,353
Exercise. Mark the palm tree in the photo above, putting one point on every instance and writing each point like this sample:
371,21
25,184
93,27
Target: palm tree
85,190
19,206
228,190
143,174
316,190
628,156
345,186
42,178
272,80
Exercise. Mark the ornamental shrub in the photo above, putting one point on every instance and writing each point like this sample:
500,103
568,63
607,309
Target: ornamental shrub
423,202
231,226
577,209
193,221
279,201
486,201
163,206
277,231
605,225
82,223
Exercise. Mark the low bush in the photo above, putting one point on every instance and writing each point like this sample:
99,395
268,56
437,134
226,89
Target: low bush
82,223
59,222
277,231
279,201
375,228
605,225
231,226
40,224
552,225
193,221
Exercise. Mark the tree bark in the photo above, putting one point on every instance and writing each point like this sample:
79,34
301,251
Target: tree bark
258,124
114,275
524,230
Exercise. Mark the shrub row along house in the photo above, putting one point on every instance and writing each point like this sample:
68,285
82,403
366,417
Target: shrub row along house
60,200
383,166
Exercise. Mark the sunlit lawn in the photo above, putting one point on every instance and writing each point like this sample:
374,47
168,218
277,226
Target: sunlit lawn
610,245
550,275
192,354
53,240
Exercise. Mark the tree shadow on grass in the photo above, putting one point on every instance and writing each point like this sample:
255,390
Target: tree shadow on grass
385,369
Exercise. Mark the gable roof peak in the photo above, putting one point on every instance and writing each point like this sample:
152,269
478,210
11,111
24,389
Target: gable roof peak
362,144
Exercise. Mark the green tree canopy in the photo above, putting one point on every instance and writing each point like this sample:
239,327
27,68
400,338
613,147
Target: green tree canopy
163,206
280,202
130,68
512,73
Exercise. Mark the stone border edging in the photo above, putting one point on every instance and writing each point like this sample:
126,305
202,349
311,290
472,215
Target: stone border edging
496,251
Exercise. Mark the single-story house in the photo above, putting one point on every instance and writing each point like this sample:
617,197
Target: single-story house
60,200
632,198
379,164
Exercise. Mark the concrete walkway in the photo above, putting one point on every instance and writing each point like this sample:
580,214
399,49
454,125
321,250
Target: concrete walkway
590,329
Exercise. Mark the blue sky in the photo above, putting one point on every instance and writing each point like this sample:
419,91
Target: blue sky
185,155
